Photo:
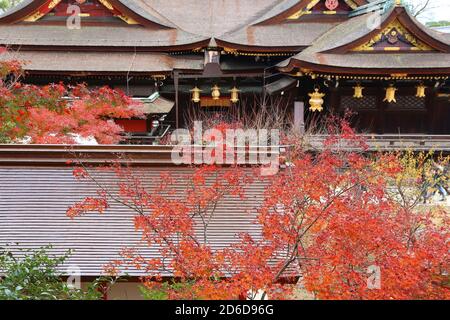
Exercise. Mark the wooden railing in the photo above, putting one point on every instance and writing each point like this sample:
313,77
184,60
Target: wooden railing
147,138
392,142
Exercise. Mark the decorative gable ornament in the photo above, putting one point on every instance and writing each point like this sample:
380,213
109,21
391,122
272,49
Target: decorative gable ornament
42,11
394,37
331,4
53,4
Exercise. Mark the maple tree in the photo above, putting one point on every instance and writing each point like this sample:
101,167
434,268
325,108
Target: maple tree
177,222
57,113
329,216
338,218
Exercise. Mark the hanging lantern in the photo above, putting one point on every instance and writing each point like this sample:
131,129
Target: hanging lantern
215,92
316,100
195,94
390,94
234,94
420,91
358,91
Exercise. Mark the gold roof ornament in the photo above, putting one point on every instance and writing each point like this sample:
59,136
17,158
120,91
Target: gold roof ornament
420,93
390,94
215,92
316,101
40,13
234,94
392,32
195,94
358,91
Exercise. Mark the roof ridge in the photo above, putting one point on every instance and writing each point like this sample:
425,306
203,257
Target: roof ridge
141,3
246,24
174,25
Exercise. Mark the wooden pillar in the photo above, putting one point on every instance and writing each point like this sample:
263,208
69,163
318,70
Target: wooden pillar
381,105
177,112
334,100
433,111
299,117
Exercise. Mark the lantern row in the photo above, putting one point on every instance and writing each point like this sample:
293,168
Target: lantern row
215,94
316,97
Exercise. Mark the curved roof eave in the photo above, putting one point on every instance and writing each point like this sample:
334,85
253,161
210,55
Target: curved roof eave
258,48
359,31
145,17
287,8
325,63
27,7
329,52
23,9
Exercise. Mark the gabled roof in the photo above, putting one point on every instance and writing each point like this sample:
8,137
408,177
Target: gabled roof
275,30
127,7
370,25
211,18
136,26
287,8
348,45
287,37
232,23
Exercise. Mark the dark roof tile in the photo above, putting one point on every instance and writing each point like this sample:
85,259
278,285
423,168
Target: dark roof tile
46,35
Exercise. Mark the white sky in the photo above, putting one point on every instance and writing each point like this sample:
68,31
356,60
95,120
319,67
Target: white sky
438,10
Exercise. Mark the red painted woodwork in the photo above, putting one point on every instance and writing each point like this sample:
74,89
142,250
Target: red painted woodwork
138,125
92,7
320,7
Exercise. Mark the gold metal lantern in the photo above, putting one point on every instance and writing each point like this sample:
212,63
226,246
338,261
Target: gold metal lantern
390,94
215,92
316,101
195,94
234,94
358,91
420,93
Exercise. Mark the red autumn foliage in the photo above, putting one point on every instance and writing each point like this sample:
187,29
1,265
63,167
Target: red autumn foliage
56,114
339,224
326,218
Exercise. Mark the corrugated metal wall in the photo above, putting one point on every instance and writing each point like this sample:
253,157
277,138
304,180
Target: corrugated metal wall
34,200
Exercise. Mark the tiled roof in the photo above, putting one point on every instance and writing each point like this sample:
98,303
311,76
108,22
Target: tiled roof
393,61
235,21
70,61
211,18
322,52
283,35
94,36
